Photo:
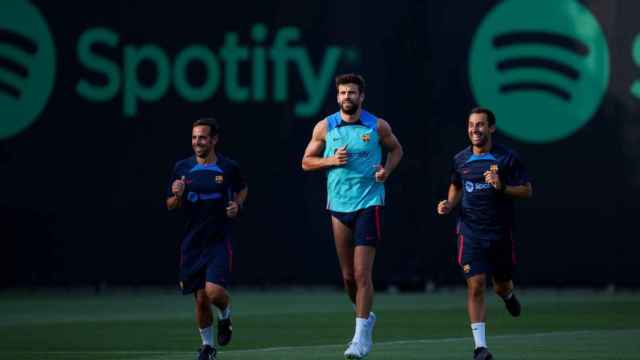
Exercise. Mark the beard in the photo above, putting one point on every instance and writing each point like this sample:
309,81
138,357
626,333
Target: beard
349,107
480,142
201,151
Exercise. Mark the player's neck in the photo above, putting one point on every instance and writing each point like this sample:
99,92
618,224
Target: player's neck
212,158
350,117
477,150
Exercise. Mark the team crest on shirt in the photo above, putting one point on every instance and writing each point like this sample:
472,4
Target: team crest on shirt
494,168
219,179
366,137
468,185
466,268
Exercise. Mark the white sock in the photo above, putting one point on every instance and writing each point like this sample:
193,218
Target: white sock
479,334
224,314
360,329
207,336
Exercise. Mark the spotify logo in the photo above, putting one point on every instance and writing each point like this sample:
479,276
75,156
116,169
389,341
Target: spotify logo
542,66
27,66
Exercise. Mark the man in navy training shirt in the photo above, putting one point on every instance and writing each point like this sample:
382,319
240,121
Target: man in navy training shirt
486,177
210,190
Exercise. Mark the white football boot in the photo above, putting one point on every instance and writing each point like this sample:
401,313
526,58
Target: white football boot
369,333
356,350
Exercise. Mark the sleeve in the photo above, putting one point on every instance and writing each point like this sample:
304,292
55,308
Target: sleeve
454,175
516,172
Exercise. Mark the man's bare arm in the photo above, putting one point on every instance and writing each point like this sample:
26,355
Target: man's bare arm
454,196
391,144
241,197
313,159
520,191
174,202
453,199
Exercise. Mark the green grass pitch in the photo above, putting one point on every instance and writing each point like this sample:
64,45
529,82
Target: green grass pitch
158,325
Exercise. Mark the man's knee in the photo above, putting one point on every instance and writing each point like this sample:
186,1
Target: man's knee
502,288
215,293
362,278
476,287
348,276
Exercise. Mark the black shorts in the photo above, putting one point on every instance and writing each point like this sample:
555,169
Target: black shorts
366,224
213,266
496,257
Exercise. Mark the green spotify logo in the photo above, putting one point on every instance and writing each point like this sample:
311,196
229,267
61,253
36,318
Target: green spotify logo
542,66
27,66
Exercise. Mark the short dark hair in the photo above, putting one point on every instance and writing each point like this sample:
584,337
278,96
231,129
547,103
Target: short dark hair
212,123
350,79
491,118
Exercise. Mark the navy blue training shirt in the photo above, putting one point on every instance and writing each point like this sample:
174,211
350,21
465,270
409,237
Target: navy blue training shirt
485,213
208,190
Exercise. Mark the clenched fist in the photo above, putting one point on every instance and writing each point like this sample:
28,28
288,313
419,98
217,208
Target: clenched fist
177,188
444,207
492,178
232,209
341,156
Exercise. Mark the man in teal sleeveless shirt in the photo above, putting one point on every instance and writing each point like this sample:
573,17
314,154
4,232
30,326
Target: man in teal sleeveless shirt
348,144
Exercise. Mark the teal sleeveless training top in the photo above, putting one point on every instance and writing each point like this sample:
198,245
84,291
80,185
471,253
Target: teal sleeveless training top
353,186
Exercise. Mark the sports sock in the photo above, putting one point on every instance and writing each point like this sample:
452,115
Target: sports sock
479,334
360,329
207,336
224,314
369,319
507,296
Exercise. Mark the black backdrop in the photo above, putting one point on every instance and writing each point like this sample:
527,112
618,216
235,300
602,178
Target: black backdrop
83,188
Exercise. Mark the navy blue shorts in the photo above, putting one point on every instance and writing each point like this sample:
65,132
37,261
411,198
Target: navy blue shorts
214,266
366,224
496,257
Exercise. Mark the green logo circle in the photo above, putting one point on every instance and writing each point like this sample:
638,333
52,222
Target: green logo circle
542,66
27,65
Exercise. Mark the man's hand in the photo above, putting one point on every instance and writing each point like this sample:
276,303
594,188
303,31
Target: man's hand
381,174
232,209
177,188
492,178
340,157
444,207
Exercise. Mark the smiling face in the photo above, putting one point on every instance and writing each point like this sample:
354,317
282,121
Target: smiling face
202,142
349,98
479,130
